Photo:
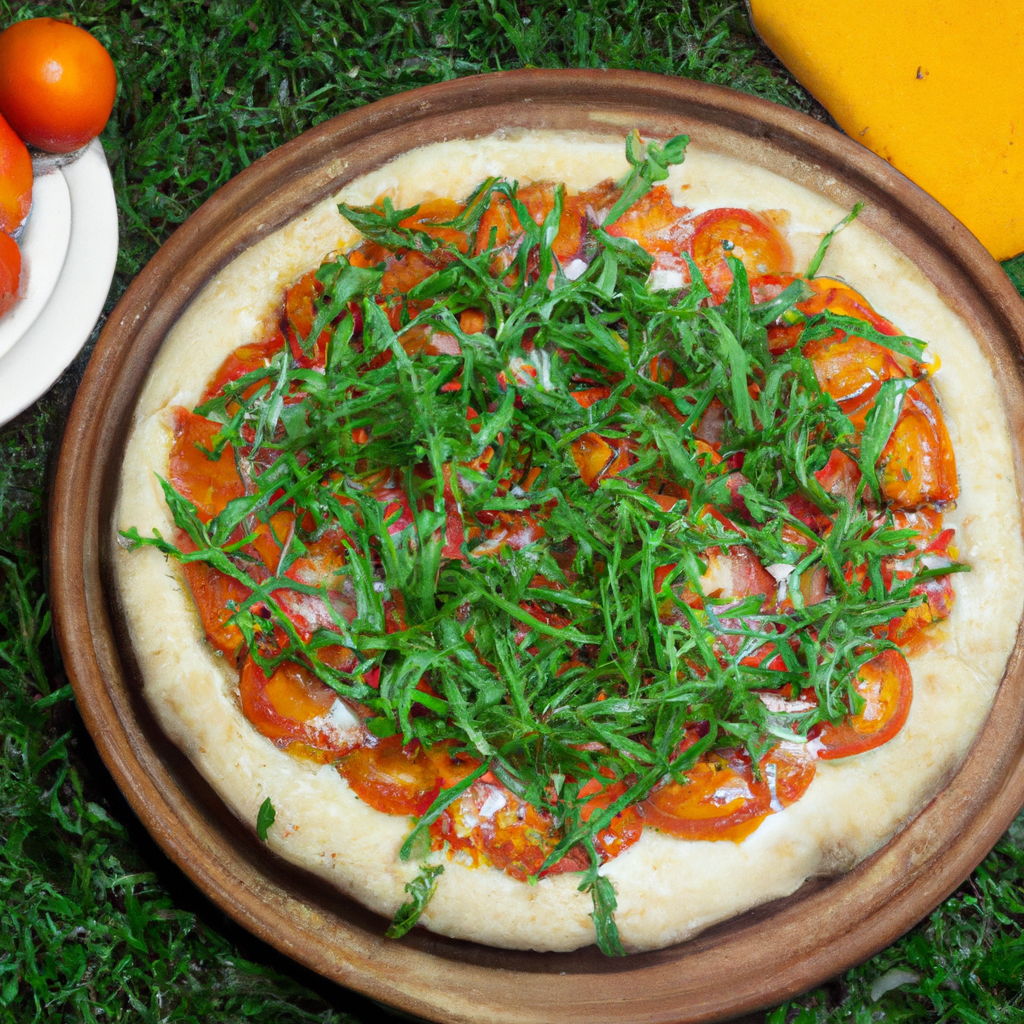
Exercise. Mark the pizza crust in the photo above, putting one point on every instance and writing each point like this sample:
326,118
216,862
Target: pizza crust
668,889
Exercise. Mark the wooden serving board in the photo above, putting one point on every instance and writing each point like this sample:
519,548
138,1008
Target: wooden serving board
752,961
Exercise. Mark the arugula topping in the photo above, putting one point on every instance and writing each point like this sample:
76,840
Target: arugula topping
420,890
264,819
575,656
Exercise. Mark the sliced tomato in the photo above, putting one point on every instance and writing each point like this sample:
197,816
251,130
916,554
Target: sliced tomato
721,799
402,273
887,689
539,199
736,572
211,591
744,235
788,769
208,484
488,824
839,298
392,778
430,217
500,228
512,530
299,317
917,466
655,223
297,711
623,830
592,454
242,361
851,370
588,396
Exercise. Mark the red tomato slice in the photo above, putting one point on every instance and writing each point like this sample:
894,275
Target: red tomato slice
721,799
789,769
917,466
623,830
493,826
242,361
434,212
851,370
211,590
209,485
656,223
743,234
886,686
392,778
592,454
292,708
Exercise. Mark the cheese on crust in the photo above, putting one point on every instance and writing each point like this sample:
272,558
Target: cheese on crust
668,889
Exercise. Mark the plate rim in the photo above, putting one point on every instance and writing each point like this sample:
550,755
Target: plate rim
416,974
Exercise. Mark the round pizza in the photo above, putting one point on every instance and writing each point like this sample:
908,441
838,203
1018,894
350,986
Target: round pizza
557,539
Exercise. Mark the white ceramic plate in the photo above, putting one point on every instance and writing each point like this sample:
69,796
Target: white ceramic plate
53,329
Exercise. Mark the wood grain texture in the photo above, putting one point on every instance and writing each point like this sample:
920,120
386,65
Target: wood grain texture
751,962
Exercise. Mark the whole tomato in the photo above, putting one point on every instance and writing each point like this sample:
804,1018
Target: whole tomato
15,179
57,83
10,272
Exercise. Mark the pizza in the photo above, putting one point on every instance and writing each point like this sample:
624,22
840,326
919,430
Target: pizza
551,540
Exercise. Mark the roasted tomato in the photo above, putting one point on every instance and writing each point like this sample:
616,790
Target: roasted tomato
500,227
852,370
742,234
491,825
208,483
721,799
297,711
242,361
10,272
623,830
392,778
657,224
885,685
432,216
917,466
211,591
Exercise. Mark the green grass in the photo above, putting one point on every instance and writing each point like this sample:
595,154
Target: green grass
95,925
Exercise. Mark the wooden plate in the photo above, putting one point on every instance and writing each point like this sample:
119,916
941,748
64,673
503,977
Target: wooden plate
749,962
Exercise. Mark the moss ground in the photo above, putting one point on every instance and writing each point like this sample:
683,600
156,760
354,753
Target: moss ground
95,924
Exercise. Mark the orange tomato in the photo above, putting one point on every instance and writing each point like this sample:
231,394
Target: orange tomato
290,708
57,83
744,235
887,689
392,778
211,590
15,179
209,485
10,272
918,466
720,799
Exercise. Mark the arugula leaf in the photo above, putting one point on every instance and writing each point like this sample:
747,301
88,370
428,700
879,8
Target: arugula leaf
603,894
650,163
819,255
420,891
265,818
878,427
382,224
